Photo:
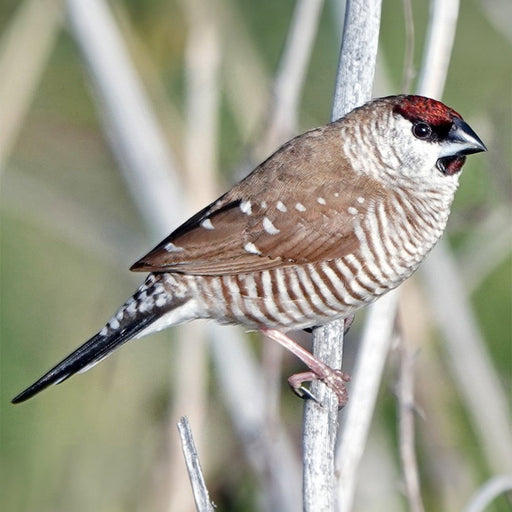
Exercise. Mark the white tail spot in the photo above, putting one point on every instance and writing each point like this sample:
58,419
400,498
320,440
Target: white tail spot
320,200
352,210
360,200
251,248
269,227
300,207
263,204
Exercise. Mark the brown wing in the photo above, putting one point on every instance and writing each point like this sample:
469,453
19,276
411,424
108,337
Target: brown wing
293,209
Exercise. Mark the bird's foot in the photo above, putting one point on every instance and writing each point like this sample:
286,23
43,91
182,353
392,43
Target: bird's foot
334,379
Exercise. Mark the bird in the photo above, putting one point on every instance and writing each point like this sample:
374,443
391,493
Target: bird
331,221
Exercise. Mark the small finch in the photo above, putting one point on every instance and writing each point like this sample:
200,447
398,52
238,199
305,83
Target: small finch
332,220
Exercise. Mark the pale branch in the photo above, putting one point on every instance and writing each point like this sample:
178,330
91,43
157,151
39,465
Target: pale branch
369,365
199,489
291,74
409,71
158,193
25,48
488,492
354,82
484,398
268,448
190,374
136,139
438,47
374,347
406,415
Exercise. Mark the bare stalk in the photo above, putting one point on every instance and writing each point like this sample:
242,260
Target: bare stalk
486,402
488,492
199,489
190,368
353,87
136,139
291,74
406,415
368,371
472,368
268,450
367,375
25,48
409,71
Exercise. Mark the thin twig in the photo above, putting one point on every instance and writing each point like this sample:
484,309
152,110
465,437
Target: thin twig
189,383
136,139
487,247
367,374
486,402
488,492
438,47
472,368
270,453
368,371
409,71
199,489
406,416
25,47
291,74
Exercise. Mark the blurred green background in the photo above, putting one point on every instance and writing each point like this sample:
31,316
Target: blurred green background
70,231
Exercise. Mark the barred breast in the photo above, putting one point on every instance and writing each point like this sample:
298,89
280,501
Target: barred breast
394,237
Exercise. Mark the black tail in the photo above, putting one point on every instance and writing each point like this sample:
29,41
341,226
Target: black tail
90,353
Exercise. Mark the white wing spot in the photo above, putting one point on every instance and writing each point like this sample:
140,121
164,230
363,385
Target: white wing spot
120,314
263,204
170,247
269,227
300,207
281,207
104,331
320,200
207,224
352,210
251,248
360,200
246,207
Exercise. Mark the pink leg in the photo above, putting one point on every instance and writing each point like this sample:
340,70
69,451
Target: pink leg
334,379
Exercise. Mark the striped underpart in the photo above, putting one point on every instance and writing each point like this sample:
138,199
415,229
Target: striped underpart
395,235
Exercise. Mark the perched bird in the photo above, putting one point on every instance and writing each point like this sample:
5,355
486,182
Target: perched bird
332,220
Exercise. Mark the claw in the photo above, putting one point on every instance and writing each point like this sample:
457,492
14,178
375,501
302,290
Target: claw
332,378
296,382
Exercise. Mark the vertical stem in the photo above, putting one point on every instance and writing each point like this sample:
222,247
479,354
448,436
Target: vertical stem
353,87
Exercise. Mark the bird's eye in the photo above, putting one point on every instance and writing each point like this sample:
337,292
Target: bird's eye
422,130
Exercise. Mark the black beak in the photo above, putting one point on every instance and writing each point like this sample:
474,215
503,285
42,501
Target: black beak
461,140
